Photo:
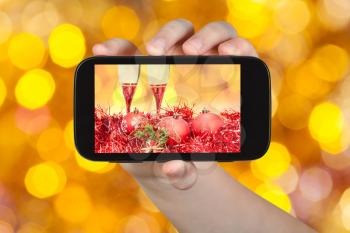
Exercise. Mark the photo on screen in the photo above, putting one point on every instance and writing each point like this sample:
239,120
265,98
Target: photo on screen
167,108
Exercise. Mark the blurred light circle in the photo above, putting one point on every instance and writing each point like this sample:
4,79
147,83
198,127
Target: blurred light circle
250,27
35,88
3,92
289,180
345,217
338,162
292,16
73,204
45,179
5,227
246,9
67,45
303,81
102,219
32,121
275,195
326,122
5,27
274,163
51,145
291,49
26,51
337,146
93,166
293,111
330,63
39,17
120,22
334,14
315,184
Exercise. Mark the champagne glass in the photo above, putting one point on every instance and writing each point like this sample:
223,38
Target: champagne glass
128,78
158,77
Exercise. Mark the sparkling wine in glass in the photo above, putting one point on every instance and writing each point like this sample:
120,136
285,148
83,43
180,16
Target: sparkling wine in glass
128,78
158,77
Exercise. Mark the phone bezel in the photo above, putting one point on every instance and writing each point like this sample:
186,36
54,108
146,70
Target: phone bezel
255,108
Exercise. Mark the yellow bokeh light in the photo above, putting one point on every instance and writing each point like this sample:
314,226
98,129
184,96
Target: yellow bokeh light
273,164
5,27
292,16
337,146
73,204
326,122
250,27
294,111
26,51
50,145
330,63
250,18
45,180
305,82
92,166
275,195
67,45
120,22
101,219
35,88
3,92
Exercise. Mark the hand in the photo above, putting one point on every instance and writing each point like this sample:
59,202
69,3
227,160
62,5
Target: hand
178,38
196,201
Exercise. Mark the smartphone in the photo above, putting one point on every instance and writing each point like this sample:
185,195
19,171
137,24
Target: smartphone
158,108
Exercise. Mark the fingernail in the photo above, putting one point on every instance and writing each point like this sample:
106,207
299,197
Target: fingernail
157,46
195,44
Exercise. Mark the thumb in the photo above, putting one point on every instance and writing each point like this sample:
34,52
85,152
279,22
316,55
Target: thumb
181,174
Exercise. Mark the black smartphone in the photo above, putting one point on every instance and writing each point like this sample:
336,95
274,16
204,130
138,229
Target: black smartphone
158,108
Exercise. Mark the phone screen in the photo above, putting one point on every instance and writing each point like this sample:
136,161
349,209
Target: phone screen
167,108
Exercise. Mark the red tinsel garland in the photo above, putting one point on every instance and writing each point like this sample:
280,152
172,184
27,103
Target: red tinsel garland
110,138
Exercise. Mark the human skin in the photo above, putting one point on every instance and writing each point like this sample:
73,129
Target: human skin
201,196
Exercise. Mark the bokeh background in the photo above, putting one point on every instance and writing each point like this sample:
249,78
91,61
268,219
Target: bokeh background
46,187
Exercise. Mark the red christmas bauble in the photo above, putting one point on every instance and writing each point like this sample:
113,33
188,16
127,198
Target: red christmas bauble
132,121
206,122
177,128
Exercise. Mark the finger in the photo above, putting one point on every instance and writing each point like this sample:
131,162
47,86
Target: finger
210,36
237,46
181,174
169,35
114,47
